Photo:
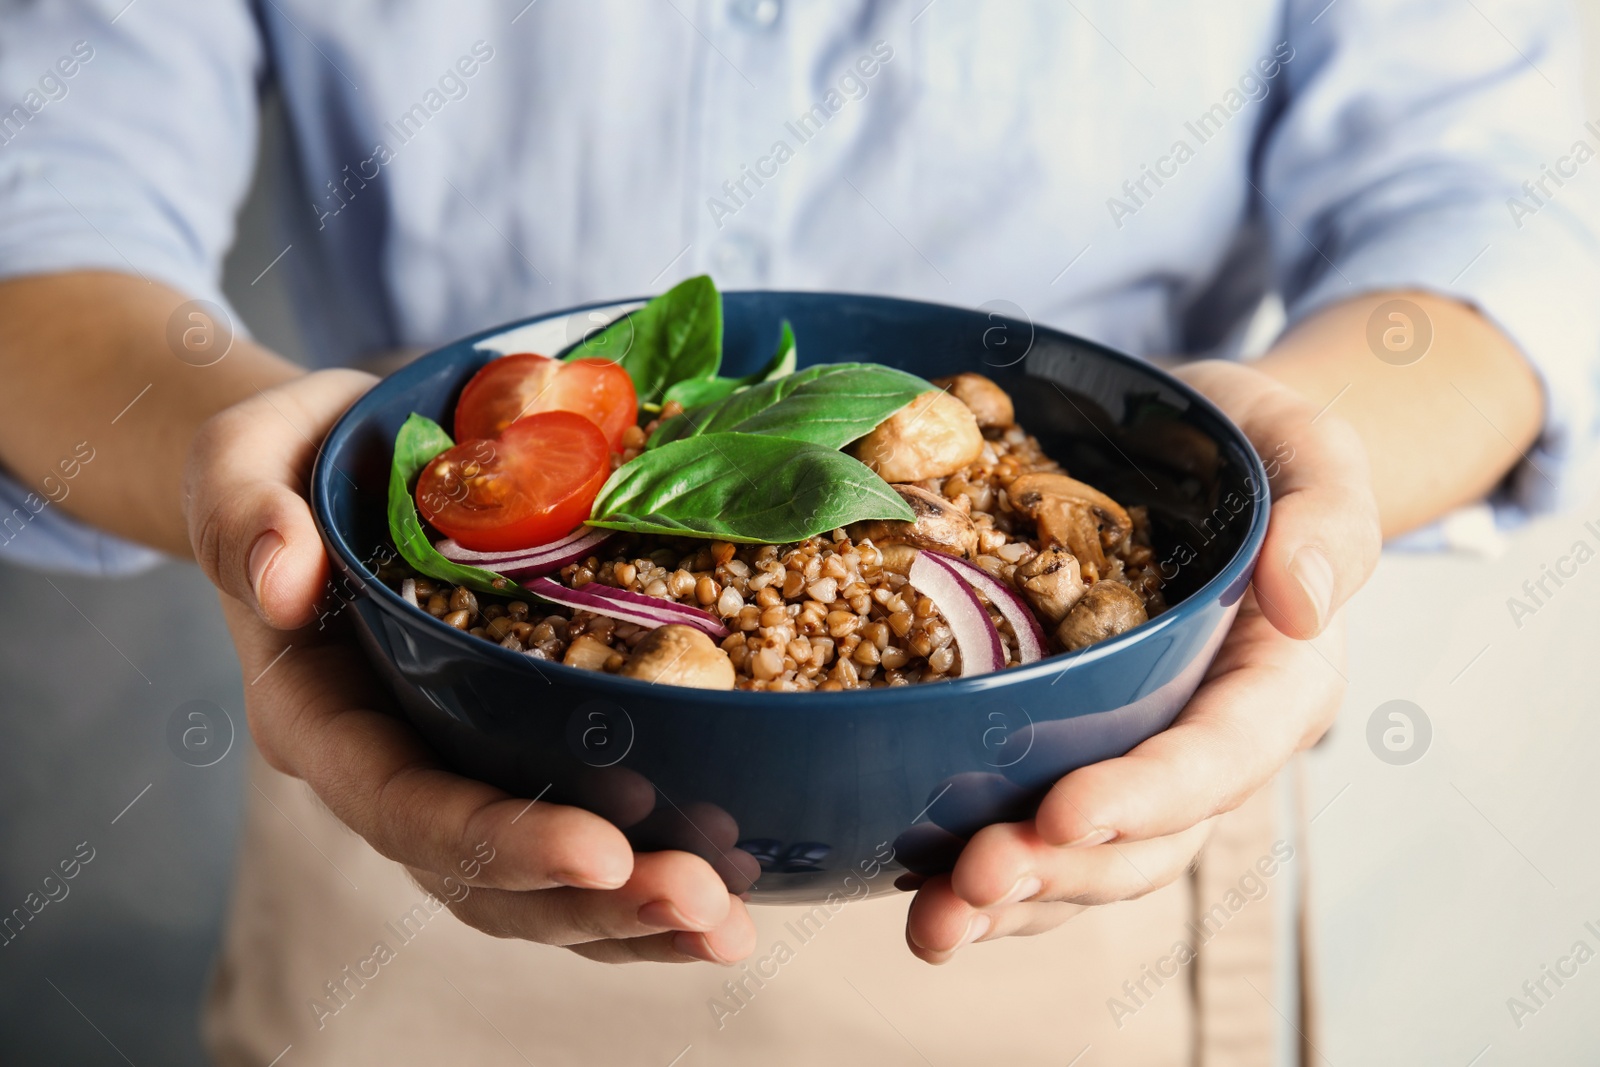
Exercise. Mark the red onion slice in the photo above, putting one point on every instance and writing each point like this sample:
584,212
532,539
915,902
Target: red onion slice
539,559
1030,637
626,606
450,550
976,637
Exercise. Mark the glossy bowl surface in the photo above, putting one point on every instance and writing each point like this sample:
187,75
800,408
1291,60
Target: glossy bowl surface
794,797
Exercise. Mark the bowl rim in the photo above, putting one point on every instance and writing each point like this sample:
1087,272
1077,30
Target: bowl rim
1238,566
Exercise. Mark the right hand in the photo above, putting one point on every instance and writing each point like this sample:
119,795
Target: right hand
559,875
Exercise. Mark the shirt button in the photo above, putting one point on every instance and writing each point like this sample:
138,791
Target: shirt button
760,14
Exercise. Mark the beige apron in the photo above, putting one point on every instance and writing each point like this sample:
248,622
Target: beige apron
332,956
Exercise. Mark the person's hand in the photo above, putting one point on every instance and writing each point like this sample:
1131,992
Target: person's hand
1121,828
542,872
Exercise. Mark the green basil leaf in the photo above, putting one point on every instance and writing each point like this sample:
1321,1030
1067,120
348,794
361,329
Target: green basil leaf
675,337
697,392
782,361
419,440
830,404
744,487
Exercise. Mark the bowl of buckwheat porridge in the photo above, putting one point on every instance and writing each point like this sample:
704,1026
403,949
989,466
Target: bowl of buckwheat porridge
812,585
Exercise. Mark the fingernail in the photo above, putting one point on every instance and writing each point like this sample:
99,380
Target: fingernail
1315,575
694,945
976,928
261,555
1027,886
1098,836
665,915
584,881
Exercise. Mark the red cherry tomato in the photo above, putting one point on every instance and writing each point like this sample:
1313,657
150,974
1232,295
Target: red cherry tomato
502,392
512,387
599,390
527,487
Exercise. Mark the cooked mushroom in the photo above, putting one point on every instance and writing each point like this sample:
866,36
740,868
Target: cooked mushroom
988,402
932,437
1071,514
1107,609
898,558
1052,583
679,655
939,524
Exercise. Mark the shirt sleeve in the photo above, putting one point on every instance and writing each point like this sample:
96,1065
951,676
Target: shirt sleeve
35,533
127,141
1441,146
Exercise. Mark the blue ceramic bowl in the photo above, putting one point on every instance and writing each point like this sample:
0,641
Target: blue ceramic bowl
796,796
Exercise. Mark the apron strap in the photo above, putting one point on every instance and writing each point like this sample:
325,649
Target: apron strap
1234,932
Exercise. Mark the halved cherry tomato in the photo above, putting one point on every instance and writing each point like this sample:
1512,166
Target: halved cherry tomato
600,390
512,387
527,487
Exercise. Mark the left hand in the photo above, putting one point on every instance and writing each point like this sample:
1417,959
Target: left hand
1118,829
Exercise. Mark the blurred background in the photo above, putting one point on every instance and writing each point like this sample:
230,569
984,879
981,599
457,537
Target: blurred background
1440,885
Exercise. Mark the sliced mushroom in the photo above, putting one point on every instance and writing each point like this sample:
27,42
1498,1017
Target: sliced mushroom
989,403
939,524
1071,514
679,655
898,558
932,437
1107,609
1051,582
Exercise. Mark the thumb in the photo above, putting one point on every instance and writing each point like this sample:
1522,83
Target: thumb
245,495
1323,536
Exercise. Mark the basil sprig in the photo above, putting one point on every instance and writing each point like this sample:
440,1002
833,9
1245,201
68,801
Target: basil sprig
830,404
674,338
421,439
743,487
696,392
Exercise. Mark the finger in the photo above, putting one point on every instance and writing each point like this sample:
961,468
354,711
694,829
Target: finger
1009,863
655,948
732,940
1010,883
1266,697
705,830
939,923
244,489
1324,537
668,891
314,710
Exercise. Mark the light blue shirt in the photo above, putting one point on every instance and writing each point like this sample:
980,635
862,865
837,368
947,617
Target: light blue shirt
1140,173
